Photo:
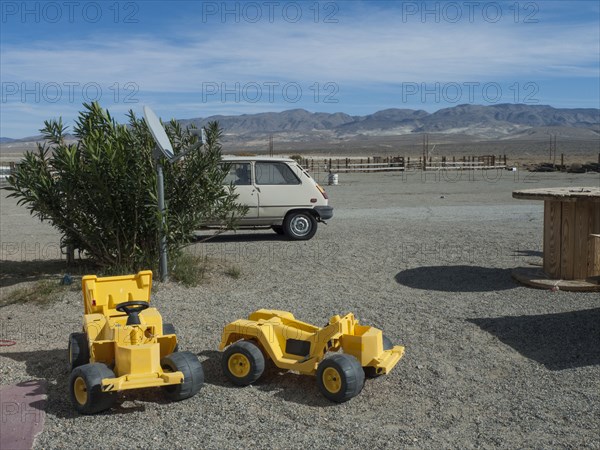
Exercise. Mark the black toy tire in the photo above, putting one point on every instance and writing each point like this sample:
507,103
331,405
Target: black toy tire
193,375
85,387
79,352
340,377
243,363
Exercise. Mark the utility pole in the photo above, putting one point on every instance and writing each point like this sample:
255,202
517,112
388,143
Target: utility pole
552,148
271,145
425,150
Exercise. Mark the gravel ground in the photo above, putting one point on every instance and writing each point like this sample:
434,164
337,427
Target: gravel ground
489,363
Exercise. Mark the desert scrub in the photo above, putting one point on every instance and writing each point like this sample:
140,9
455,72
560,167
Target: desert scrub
233,272
190,270
101,193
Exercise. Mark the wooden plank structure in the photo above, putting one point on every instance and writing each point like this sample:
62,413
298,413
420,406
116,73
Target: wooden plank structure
571,238
375,164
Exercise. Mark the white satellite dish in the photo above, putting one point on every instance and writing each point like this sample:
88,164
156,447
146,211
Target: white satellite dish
159,133
163,145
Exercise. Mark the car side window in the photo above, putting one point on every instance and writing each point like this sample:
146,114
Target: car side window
275,173
239,174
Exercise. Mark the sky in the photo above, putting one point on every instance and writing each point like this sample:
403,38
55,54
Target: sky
189,59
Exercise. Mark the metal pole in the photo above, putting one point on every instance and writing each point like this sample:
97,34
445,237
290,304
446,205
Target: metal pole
163,238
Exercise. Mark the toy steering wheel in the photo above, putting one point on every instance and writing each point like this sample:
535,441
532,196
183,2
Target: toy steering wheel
132,309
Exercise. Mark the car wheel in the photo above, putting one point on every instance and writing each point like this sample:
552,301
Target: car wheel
243,363
86,388
340,377
300,225
193,375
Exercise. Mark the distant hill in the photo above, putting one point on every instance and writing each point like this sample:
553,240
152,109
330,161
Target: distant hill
485,122
462,123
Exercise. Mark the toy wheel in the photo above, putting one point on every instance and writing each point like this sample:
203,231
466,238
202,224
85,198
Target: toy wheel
277,229
193,375
371,372
79,352
169,328
86,388
340,377
243,363
300,225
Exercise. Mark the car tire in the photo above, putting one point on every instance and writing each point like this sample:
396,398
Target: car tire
299,225
193,375
340,377
86,388
243,363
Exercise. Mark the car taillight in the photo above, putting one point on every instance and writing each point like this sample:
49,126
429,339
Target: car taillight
322,191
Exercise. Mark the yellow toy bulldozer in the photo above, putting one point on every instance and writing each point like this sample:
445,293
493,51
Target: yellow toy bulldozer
126,345
301,347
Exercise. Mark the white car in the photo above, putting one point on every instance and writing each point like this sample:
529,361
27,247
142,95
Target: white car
279,193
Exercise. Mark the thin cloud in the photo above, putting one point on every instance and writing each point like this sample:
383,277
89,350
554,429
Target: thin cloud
362,53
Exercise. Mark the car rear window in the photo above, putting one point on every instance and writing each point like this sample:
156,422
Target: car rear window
275,173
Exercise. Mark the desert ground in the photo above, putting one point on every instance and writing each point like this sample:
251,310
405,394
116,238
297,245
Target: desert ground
519,152
426,257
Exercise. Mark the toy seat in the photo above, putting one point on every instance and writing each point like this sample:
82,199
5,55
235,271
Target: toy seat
102,295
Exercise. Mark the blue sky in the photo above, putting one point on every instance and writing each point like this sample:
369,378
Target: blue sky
197,58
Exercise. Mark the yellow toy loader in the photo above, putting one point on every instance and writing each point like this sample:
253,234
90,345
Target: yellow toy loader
126,345
301,347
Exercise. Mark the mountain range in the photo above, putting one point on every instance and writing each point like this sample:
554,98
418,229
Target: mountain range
491,122
502,121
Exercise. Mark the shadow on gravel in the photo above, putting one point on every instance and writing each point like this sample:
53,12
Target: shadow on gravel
457,278
285,385
52,366
558,341
213,374
268,236
15,272
531,253
292,387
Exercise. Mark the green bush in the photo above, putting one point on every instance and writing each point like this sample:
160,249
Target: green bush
101,192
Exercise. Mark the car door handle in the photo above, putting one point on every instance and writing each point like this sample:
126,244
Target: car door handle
257,188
